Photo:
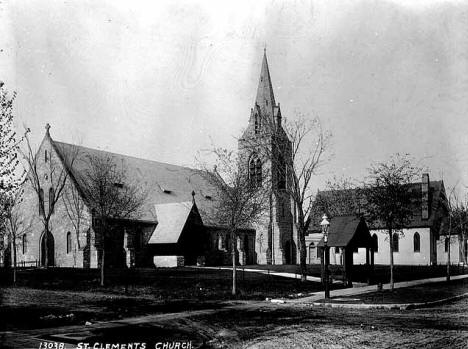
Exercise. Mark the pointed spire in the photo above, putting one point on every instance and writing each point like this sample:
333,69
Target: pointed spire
265,98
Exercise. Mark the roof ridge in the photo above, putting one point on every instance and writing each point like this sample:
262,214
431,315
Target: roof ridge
128,156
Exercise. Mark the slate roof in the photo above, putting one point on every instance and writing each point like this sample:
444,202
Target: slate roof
166,183
351,202
348,230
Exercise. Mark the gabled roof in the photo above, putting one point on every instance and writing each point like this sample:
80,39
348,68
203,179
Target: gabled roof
347,231
165,183
171,221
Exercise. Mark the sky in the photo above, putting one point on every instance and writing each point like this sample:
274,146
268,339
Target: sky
164,80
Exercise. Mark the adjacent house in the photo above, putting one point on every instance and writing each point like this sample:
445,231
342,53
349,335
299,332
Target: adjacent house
424,241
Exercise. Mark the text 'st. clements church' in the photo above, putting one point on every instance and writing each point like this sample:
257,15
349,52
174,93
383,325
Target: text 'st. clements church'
176,227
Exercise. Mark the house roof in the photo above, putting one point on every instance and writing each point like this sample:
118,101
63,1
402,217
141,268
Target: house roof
164,182
348,231
171,221
350,201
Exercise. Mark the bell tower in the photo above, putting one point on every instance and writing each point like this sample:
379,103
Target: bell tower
262,146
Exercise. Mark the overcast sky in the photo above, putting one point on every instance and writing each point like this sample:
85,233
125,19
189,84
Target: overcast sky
161,81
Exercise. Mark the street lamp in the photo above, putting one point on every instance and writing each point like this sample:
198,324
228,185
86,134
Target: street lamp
325,225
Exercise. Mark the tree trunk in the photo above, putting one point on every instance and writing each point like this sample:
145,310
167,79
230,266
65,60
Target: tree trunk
103,253
233,253
302,245
448,256
302,255
14,260
391,257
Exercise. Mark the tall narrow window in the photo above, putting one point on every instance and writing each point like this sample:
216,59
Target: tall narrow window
46,156
257,124
255,171
376,242
395,242
447,242
311,251
416,242
51,199
258,172
41,201
69,242
25,243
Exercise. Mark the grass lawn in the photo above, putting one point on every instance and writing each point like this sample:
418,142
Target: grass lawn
168,283
416,294
381,272
57,297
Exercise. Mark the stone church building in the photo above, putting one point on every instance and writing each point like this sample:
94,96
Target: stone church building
176,226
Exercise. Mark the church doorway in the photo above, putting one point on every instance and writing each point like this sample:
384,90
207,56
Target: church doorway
289,252
49,249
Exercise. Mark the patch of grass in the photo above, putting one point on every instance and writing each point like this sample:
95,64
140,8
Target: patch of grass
169,283
416,294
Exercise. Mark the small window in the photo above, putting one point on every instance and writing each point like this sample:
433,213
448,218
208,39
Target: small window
120,185
69,242
41,202
46,156
25,243
376,242
416,242
51,199
395,242
447,241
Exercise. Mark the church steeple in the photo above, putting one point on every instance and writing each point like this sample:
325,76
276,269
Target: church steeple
265,99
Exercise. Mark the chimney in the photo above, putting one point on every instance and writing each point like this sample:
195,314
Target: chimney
425,196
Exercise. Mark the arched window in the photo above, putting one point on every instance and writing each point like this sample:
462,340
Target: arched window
416,242
255,171
311,252
24,243
395,242
376,242
447,242
51,199
41,201
69,242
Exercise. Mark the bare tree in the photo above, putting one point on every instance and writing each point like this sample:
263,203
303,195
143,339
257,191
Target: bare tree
295,150
11,176
76,212
458,221
389,202
341,197
16,225
111,196
51,172
240,201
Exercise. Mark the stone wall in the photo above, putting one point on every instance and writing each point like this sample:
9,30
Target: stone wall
59,224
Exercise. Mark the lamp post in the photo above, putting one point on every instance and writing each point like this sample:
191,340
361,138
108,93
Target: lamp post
325,225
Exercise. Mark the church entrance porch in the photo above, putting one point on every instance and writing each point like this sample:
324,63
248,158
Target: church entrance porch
347,234
49,249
